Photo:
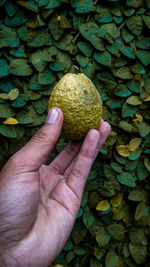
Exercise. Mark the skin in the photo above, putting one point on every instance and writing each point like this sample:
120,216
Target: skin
39,203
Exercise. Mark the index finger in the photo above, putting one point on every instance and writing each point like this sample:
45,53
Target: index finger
82,166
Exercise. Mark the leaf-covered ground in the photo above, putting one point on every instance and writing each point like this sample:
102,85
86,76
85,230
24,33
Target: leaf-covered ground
109,41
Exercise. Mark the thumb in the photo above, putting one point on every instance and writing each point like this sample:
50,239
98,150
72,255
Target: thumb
38,149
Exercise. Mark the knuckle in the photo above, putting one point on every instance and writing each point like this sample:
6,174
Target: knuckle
45,136
15,159
106,128
76,173
57,168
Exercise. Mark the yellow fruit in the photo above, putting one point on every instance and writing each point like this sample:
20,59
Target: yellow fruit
80,102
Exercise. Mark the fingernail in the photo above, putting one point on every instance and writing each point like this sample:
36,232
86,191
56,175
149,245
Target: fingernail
52,116
94,134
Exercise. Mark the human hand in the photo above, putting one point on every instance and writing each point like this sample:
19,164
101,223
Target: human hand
39,203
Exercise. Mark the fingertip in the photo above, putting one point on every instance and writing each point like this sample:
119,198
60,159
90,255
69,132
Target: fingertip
55,114
104,127
94,134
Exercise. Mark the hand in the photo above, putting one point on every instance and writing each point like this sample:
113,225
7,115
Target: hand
39,203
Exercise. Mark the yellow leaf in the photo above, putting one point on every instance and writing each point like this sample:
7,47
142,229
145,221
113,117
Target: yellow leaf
116,201
117,213
13,94
134,143
123,150
147,164
103,205
139,118
11,121
134,100
147,98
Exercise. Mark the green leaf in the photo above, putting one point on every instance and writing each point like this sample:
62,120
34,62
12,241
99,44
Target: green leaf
116,167
102,236
134,3
142,172
45,77
37,38
89,32
19,52
85,48
127,179
112,259
131,164
95,263
144,129
128,37
137,68
135,154
122,90
20,67
79,232
92,174
22,32
84,6
124,73
23,117
103,15
146,21
135,24
19,102
89,71
8,131
17,20
54,27
147,164
4,96
125,126
103,58
65,43
40,105
11,8
113,49
143,43
128,110
6,111
144,57
138,253
142,210
134,86
3,68
120,62
53,4
82,60
40,58
34,83
97,42
136,195
57,66
147,3
117,231
109,31
13,94
134,100
128,52
30,5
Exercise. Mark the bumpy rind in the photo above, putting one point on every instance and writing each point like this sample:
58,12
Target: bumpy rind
80,102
